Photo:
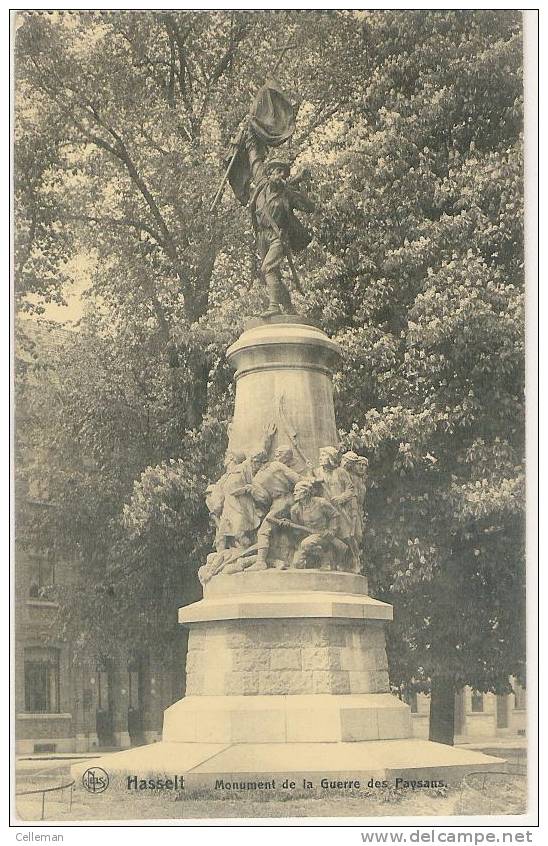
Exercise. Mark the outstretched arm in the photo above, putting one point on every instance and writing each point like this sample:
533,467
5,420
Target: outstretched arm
257,154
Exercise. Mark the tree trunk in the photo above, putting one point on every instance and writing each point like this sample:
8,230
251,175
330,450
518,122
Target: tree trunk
442,710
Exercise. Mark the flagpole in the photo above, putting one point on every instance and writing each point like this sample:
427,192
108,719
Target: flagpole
224,180
283,51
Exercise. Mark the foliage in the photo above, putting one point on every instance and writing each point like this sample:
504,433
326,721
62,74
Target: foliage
411,126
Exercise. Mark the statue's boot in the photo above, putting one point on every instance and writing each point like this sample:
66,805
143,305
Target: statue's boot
271,311
260,563
278,295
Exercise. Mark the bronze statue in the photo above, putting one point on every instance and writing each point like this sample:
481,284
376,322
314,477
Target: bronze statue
316,518
267,514
274,481
279,233
272,194
357,466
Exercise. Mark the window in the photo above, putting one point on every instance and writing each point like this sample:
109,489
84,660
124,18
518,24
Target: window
103,688
42,680
477,701
520,697
42,576
134,698
411,699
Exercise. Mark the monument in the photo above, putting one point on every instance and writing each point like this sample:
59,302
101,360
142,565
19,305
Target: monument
286,673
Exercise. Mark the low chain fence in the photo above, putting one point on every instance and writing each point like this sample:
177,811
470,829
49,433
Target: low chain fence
69,785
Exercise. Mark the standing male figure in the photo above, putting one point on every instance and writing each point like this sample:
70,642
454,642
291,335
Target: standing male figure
266,185
274,481
239,517
337,486
279,233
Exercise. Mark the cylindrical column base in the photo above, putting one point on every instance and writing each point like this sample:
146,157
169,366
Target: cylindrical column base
283,376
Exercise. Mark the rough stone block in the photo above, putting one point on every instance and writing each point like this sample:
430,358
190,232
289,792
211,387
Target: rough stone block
248,658
239,636
381,659
357,659
273,633
285,659
360,681
285,682
328,634
215,679
321,658
242,684
194,684
380,682
369,636
331,681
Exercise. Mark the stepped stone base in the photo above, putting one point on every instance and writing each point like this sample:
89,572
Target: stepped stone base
209,766
287,679
286,719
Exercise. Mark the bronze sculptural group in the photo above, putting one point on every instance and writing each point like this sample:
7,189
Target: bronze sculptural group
267,514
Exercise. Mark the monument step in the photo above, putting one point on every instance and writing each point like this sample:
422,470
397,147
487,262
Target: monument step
286,605
282,719
211,767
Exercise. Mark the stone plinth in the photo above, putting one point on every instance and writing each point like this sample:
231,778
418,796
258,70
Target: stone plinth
287,656
286,633
283,375
318,717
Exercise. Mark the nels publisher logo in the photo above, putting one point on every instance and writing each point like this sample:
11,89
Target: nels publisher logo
95,780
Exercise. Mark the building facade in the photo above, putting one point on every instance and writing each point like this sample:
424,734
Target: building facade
65,703
477,715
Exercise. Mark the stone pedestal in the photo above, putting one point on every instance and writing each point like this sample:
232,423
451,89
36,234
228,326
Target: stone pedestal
287,672
283,375
287,656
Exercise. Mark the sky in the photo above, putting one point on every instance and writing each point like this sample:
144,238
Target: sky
80,269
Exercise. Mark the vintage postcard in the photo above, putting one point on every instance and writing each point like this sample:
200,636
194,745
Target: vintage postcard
269,381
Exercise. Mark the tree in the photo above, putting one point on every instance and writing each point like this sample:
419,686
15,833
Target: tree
426,223
410,124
